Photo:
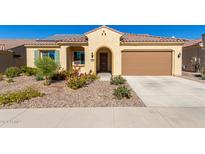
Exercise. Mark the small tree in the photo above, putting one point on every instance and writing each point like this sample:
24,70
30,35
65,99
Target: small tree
195,62
47,67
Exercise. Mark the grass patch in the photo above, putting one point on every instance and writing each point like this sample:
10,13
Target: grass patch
19,96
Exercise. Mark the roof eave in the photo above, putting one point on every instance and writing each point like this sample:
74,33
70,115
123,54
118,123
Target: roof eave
67,43
147,50
147,43
40,45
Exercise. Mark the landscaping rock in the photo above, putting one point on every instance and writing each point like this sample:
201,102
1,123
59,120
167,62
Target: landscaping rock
96,94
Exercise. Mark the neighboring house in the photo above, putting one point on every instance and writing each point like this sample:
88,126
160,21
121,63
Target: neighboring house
12,53
107,50
192,52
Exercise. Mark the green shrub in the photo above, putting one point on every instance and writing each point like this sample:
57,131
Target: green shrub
92,77
28,71
74,72
202,71
47,68
10,80
76,82
39,77
203,76
116,80
1,77
19,96
121,92
59,76
12,72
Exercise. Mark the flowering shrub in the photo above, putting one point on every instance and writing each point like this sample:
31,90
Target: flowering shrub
76,80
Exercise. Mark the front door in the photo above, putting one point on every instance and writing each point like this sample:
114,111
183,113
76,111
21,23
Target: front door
103,62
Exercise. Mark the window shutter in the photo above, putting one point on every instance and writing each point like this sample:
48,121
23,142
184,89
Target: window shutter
36,55
57,57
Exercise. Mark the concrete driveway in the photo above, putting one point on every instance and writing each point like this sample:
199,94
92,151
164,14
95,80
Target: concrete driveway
167,91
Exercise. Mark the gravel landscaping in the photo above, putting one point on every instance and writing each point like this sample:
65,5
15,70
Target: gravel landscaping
97,94
192,76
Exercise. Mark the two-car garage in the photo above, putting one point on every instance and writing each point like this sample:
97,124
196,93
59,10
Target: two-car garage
146,62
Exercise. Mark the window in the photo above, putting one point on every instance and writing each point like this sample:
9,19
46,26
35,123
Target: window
16,56
79,57
50,54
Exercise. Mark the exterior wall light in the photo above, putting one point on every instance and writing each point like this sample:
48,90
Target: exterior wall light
92,55
179,55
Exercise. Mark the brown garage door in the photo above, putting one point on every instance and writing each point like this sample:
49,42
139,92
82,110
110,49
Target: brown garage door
146,63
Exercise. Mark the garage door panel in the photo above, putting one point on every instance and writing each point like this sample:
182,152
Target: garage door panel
146,63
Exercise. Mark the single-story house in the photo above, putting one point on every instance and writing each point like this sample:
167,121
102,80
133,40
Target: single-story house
107,50
193,52
12,53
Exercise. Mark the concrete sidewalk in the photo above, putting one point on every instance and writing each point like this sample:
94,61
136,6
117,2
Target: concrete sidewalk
103,117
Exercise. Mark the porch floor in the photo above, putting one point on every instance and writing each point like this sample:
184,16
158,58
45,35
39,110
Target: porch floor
104,76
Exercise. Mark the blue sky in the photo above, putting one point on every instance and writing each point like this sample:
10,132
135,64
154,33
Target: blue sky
43,31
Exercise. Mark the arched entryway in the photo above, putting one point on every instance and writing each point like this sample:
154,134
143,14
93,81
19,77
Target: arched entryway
103,60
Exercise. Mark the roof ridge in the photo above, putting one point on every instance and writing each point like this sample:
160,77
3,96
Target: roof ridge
103,26
67,34
165,37
136,34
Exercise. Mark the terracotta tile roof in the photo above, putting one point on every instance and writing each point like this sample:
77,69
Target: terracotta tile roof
75,39
68,38
6,44
55,39
192,42
147,38
42,42
126,37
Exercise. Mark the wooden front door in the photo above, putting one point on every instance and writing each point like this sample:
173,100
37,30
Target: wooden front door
103,62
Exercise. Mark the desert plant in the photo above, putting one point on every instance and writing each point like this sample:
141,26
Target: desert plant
121,92
12,72
10,80
1,77
195,63
116,80
28,71
47,68
19,96
76,82
39,77
91,77
61,75
73,72
202,71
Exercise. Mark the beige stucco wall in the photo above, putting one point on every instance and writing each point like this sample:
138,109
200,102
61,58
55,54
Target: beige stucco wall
106,38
